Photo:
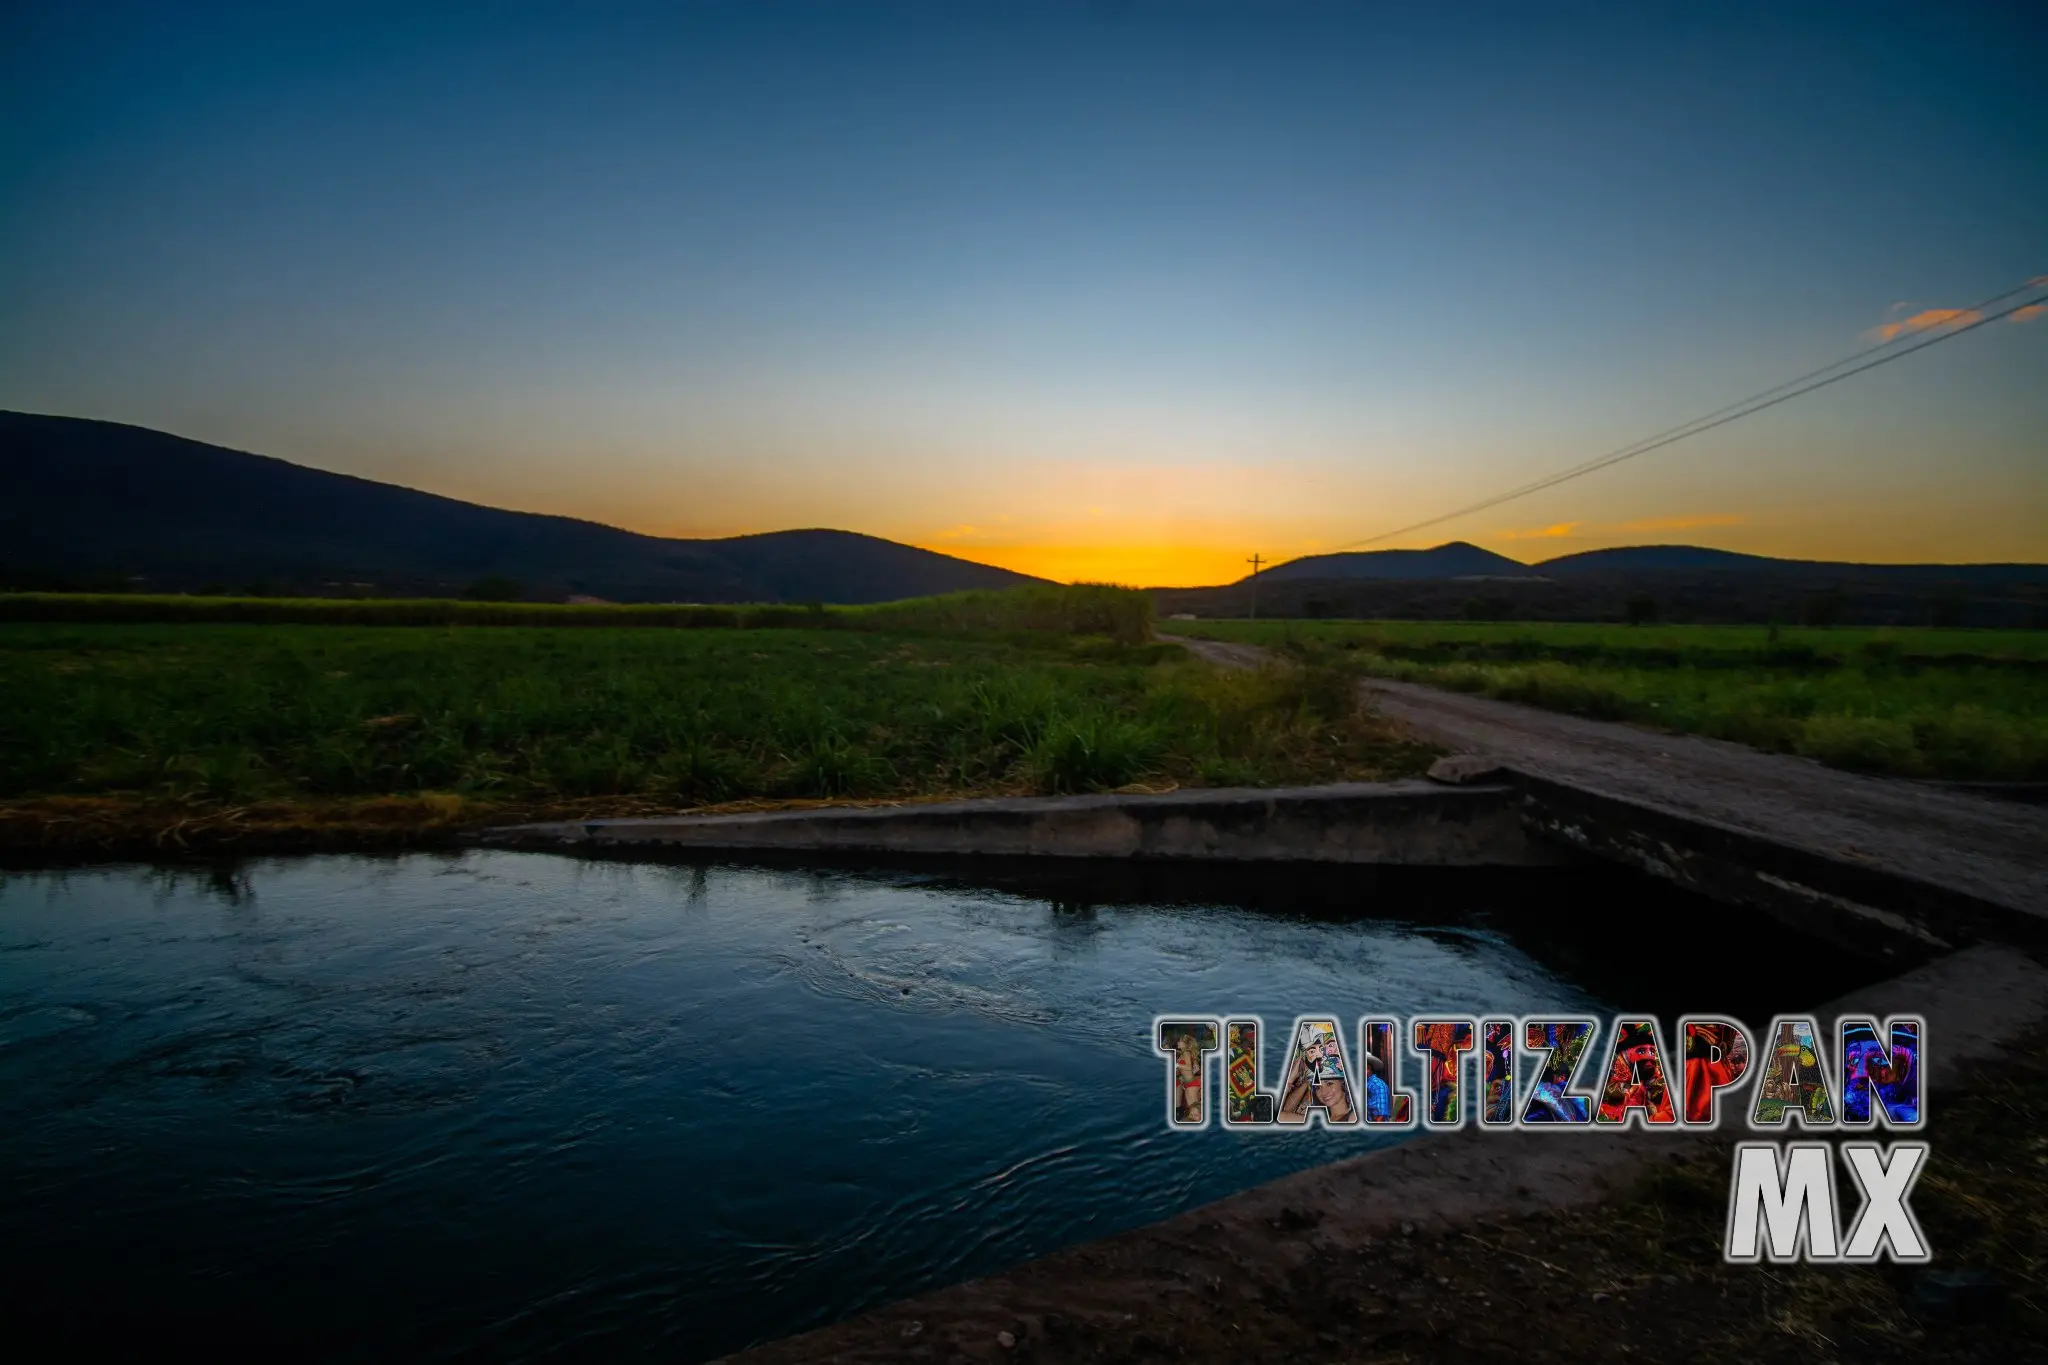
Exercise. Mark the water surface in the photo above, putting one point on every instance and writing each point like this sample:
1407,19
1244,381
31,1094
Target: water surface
523,1106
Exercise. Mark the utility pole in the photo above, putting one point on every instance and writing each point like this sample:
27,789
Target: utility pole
1255,561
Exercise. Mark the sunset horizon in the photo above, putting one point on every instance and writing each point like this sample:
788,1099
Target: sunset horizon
1138,562
1124,292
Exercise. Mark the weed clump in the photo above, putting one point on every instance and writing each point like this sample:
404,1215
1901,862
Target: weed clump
1092,752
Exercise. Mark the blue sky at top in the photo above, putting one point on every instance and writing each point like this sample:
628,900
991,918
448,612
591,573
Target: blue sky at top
1122,290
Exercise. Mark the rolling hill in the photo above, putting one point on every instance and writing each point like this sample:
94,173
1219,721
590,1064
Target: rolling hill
1672,582
1454,560
1459,559
1654,559
95,502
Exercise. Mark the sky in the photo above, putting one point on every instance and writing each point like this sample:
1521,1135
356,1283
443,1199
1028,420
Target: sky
1111,291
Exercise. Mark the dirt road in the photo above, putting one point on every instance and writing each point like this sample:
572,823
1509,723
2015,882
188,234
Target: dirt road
1996,851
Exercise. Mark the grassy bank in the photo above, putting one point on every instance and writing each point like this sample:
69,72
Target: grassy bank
1960,704
458,724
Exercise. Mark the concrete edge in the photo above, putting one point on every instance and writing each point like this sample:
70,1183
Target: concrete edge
1471,811
996,805
1820,892
1414,822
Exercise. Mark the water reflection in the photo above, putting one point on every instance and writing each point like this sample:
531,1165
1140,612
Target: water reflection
519,1104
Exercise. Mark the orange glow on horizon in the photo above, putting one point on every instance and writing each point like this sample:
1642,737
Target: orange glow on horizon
1135,566
1141,565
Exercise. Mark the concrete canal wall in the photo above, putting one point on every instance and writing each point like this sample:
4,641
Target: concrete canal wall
1414,823
1475,813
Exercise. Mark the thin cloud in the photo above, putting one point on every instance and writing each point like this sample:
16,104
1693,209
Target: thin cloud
1563,530
2030,312
1926,320
1582,530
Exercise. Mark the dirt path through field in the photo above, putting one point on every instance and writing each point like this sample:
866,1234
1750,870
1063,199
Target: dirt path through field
1994,850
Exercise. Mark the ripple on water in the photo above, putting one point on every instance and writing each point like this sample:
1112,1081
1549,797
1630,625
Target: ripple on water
26,1023
513,1104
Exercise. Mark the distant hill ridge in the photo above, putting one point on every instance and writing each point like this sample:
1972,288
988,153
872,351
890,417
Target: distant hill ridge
84,501
1459,559
92,500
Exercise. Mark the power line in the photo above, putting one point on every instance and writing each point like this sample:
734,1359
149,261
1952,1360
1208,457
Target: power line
1721,416
1636,447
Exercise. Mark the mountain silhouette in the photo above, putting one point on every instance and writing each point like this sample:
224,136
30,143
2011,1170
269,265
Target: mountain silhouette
1454,560
1458,559
1635,558
84,500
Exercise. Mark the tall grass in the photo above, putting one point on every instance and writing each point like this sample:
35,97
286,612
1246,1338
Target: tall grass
239,713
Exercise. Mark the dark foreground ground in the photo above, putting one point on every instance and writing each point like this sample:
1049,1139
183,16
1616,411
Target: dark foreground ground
1635,1277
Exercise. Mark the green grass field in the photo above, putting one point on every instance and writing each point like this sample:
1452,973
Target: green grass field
1962,704
1078,609
221,713
221,703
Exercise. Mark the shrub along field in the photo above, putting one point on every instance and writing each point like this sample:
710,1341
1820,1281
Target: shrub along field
1960,704
220,715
